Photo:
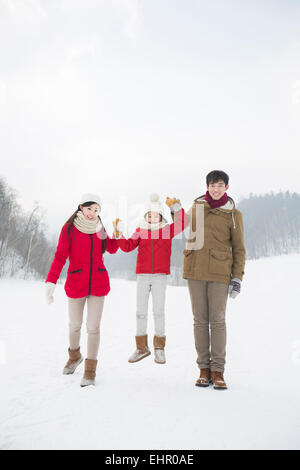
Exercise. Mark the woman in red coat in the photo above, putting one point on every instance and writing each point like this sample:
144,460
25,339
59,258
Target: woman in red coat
153,238
83,239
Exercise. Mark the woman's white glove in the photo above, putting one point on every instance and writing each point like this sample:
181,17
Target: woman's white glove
50,287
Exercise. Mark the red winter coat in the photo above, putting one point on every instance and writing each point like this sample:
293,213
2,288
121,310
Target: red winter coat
154,252
87,274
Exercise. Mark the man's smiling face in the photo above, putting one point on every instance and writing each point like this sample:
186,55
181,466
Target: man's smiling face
217,189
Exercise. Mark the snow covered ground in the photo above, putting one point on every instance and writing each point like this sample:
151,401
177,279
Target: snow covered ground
146,405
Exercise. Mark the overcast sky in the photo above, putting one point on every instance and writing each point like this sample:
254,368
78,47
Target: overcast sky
128,97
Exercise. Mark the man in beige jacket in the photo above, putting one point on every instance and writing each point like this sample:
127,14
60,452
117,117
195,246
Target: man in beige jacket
214,264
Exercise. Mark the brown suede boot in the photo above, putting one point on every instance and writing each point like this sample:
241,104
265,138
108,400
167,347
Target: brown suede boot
75,358
218,380
142,349
204,379
90,366
159,343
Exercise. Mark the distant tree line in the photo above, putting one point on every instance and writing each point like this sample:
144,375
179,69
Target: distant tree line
271,221
272,224
25,250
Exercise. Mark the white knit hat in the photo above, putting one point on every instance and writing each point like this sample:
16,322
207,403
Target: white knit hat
87,197
155,205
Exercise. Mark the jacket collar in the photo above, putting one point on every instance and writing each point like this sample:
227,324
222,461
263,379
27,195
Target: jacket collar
144,225
229,206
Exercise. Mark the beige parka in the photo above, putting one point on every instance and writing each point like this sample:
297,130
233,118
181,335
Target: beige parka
215,249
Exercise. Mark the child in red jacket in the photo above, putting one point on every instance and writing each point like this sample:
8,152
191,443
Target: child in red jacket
153,238
83,239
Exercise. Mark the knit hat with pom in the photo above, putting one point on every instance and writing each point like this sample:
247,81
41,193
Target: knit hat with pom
155,205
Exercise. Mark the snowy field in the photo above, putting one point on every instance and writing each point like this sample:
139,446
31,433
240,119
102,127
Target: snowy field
146,405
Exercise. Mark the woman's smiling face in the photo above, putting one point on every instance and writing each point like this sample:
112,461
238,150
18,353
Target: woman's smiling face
90,212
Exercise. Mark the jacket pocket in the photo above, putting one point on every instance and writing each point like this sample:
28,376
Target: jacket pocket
189,260
75,278
100,277
220,262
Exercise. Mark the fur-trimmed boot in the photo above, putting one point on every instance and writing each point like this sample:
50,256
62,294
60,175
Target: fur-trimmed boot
142,349
159,343
75,358
90,366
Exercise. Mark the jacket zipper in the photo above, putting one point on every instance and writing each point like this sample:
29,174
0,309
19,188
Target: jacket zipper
151,254
91,264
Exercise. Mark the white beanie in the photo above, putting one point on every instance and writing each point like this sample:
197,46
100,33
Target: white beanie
87,197
155,205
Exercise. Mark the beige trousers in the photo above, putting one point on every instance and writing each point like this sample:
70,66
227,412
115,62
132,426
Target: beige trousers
209,301
94,313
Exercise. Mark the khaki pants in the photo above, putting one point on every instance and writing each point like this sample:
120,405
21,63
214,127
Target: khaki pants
94,314
209,301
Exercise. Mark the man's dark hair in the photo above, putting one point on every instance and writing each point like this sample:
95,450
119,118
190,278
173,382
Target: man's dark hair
216,175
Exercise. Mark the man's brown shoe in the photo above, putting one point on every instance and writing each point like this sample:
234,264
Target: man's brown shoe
204,379
218,380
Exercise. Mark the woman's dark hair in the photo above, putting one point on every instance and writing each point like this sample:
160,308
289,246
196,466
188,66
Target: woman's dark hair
70,223
216,175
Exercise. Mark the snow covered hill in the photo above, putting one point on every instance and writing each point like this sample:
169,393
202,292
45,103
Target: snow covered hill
146,405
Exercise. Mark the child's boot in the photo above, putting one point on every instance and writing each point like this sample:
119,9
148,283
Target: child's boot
142,349
88,378
75,358
159,343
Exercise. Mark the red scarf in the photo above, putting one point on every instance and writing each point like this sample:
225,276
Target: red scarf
213,203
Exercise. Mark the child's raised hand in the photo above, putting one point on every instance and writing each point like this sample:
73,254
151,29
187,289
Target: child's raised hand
117,232
115,224
170,201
